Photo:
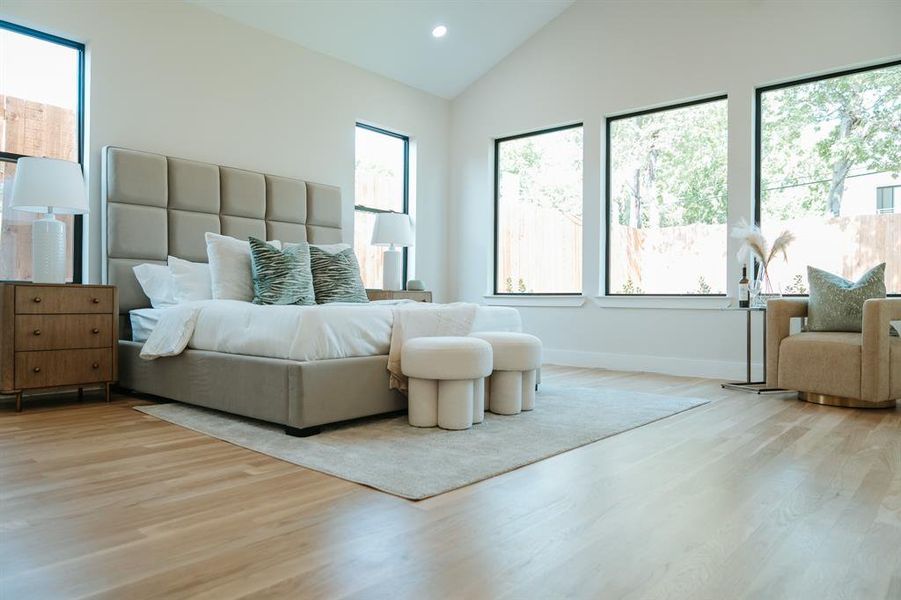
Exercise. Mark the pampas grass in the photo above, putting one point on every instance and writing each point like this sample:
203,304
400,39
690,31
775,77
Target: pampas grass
756,245
754,242
780,246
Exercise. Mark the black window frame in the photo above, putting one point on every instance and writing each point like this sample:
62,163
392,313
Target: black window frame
758,130
406,209
12,157
497,165
608,165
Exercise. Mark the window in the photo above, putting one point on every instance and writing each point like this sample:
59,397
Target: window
666,201
885,199
41,103
538,212
826,148
381,184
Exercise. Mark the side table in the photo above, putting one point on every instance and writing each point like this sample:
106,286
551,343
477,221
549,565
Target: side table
748,385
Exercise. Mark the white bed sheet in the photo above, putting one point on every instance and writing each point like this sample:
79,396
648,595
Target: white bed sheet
302,332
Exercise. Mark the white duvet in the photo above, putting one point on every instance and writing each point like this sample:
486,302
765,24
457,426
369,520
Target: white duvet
299,333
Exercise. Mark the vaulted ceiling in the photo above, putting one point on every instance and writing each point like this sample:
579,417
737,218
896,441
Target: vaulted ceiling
394,37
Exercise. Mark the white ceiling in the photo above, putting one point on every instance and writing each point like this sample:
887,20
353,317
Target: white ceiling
394,37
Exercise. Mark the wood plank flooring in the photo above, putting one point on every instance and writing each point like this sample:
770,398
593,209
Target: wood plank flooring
746,497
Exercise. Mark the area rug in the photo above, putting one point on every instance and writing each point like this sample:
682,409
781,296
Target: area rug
389,455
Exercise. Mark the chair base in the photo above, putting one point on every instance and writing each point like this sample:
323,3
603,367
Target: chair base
302,432
843,402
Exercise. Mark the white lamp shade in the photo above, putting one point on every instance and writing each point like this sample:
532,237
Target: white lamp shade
49,185
392,229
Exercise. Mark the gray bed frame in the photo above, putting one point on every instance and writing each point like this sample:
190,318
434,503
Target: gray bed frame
156,206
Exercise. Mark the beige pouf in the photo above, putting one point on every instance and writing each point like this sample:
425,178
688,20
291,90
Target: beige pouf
517,358
447,380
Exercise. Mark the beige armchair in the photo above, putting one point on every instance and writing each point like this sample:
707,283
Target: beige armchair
837,368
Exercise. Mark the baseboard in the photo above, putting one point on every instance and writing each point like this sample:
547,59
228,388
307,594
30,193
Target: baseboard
668,365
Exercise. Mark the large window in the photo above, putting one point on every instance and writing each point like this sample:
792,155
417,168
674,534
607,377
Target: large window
381,184
829,167
538,213
40,115
666,201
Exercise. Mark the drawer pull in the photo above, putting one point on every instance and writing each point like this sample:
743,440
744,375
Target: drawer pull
37,332
95,300
36,369
95,331
37,299
96,365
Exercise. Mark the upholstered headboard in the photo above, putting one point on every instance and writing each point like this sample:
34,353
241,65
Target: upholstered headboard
155,206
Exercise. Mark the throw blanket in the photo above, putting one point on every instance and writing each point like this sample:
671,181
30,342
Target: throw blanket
172,334
425,320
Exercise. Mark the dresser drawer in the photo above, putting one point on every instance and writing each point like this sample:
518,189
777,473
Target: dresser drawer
63,367
61,332
36,299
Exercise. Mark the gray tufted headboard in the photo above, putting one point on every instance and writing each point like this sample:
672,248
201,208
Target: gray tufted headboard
155,206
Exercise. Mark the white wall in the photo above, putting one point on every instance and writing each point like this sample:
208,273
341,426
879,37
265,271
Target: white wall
602,58
176,79
173,78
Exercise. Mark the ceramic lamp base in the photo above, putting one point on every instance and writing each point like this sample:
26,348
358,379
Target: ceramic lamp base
392,271
48,250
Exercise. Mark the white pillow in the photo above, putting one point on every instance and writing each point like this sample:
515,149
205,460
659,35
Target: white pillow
231,274
157,283
192,280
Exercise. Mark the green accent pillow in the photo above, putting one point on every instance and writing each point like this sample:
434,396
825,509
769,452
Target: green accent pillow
836,304
336,275
281,276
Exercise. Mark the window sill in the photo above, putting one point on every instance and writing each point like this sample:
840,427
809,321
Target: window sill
637,302
536,300
664,302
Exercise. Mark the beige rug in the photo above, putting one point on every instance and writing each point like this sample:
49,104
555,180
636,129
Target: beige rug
389,455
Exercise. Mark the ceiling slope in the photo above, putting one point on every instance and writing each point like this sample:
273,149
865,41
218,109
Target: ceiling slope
393,37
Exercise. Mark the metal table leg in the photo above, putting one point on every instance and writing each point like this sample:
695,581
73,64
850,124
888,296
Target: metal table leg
748,347
754,387
764,344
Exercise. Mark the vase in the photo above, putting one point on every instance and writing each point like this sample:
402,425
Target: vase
762,290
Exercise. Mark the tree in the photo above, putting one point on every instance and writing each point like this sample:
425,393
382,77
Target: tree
816,134
546,171
669,167
639,142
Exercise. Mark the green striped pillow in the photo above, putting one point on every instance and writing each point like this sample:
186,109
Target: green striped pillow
281,276
336,275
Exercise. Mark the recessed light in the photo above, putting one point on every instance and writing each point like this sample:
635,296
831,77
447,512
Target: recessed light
439,32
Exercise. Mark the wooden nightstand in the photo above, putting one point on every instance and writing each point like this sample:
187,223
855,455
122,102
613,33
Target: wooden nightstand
54,336
399,295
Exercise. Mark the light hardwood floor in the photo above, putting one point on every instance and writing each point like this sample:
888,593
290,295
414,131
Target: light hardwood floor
746,497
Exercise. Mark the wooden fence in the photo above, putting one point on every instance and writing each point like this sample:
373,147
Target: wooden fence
540,250
679,259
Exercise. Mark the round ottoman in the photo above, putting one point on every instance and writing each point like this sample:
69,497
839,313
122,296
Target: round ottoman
511,387
447,380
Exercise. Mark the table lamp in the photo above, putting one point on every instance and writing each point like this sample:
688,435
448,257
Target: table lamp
49,186
393,230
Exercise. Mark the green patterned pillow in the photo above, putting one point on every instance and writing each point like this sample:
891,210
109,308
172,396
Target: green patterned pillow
281,276
836,304
336,274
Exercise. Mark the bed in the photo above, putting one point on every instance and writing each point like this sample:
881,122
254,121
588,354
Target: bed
156,206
